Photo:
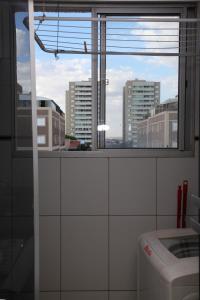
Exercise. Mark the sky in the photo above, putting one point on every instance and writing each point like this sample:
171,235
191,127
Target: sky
53,75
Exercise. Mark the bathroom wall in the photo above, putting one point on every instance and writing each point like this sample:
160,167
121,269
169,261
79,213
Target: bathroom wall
92,211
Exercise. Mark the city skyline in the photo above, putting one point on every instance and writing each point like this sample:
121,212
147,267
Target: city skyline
88,130
70,67
144,93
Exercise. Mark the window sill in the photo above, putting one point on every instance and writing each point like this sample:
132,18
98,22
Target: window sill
118,153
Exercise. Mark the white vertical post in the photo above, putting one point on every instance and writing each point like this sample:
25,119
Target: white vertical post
94,81
102,106
35,150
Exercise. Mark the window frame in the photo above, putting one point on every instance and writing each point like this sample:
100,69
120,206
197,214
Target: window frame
101,7
186,127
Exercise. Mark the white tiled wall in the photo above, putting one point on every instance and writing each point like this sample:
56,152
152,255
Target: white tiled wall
84,296
170,173
49,296
84,186
132,186
92,212
49,179
84,253
50,253
122,295
124,232
166,222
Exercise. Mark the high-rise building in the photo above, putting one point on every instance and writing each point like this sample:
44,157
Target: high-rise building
139,96
79,110
160,128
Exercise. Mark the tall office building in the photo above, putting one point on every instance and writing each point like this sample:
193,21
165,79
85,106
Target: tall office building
79,110
139,96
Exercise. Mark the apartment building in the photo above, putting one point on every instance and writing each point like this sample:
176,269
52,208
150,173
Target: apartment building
79,110
160,128
139,96
50,125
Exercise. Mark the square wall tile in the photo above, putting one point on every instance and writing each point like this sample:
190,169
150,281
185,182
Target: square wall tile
169,222
49,186
124,234
170,173
84,259
84,186
132,186
50,253
123,295
166,222
22,172
49,296
85,296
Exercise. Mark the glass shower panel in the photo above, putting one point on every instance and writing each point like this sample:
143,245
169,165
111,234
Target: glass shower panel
16,155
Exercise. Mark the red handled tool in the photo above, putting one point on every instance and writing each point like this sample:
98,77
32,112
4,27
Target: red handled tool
185,193
179,206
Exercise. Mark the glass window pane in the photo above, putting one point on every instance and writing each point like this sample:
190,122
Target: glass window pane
41,121
142,90
67,94
41,139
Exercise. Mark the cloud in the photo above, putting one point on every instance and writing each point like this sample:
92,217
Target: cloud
20,37
52,77
169,86
159,35
23,75
117,78
22,42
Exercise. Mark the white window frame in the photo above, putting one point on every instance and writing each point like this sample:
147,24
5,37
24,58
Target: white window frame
188,132
185,126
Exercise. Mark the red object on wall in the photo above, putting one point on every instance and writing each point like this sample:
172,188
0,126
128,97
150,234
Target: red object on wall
185,194
179,206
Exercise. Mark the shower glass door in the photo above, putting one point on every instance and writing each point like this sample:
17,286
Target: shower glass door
17,244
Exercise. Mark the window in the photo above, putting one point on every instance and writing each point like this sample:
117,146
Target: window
141,61
41,121
147,74
41,139
61,59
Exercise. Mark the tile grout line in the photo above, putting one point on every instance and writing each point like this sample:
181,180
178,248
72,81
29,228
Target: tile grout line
105,215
